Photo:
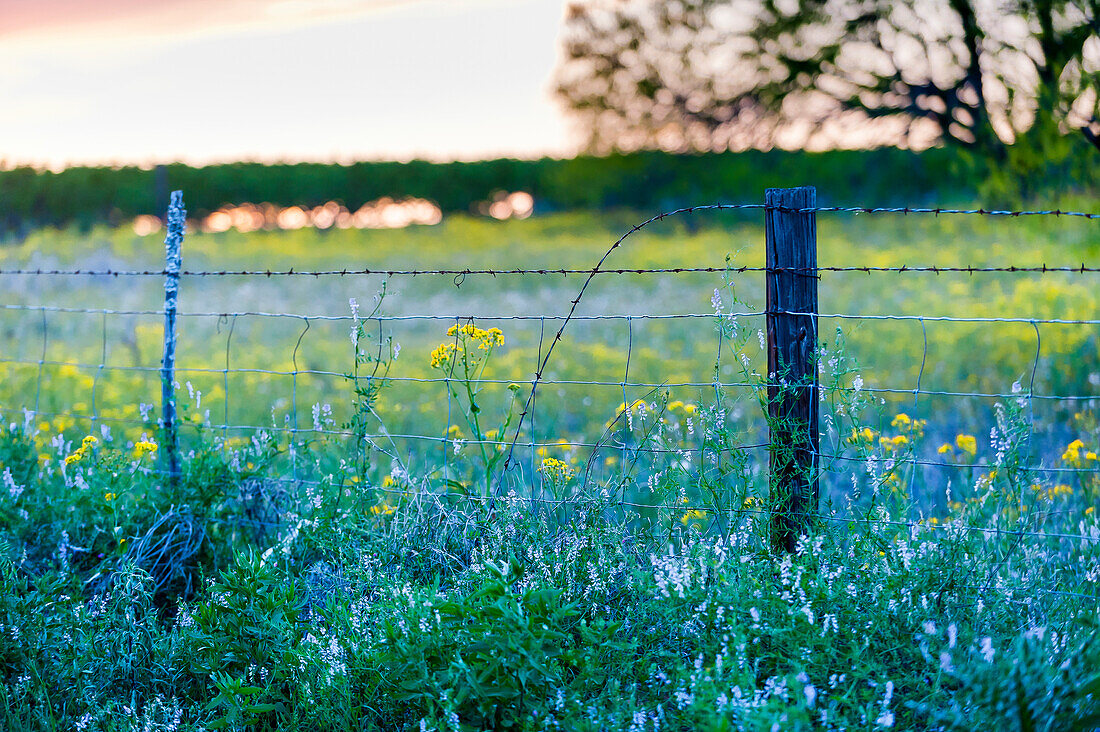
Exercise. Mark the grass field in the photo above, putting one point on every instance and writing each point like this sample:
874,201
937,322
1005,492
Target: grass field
311,358
330,558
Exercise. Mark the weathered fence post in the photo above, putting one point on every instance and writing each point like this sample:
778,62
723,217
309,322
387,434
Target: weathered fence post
173,260
791,272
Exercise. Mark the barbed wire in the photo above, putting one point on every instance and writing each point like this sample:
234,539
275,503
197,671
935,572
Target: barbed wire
450,318
464,272
345,272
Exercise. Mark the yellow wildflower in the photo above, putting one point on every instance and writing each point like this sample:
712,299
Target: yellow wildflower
110,496
486,338
866,436
557,471
1089,511
945,448
902,421
144,446
692,515
382,509
78,455
490,338
967,444
1072,454
442,355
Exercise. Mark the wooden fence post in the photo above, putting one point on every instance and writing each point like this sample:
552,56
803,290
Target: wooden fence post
791,273
173,260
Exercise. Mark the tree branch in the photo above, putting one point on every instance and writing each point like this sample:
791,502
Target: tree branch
1091,136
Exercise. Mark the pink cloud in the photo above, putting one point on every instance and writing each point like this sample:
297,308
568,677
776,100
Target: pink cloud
131,17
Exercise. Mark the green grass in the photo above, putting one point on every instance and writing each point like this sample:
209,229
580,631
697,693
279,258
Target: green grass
355,579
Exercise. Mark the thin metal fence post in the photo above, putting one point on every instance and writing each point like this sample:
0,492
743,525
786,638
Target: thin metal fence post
791,274
173,261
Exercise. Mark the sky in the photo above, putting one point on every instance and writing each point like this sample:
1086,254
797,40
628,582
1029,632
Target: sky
202,81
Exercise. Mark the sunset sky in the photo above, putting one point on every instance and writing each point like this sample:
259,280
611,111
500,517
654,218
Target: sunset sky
134,81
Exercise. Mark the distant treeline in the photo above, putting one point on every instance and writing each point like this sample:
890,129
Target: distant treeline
645,181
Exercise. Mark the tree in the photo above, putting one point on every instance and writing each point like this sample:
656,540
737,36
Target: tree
732,74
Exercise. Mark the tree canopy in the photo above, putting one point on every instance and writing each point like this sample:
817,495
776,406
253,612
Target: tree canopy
692,75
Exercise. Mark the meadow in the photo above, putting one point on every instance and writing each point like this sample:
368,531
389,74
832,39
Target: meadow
343,550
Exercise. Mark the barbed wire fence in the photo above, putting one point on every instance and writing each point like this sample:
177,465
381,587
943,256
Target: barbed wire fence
789,389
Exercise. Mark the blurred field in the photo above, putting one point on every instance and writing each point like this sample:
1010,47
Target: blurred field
105,365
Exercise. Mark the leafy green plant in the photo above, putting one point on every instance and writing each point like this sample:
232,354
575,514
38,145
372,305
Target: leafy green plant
235,702
246,629
492,657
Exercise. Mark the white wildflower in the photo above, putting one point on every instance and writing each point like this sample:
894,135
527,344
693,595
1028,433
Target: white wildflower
14,490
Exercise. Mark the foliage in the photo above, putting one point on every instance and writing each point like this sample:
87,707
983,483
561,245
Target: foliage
645,180
1051,686
575,621
823,73
625,582
644,596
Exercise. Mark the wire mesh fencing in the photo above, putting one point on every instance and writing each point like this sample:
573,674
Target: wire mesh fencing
464,383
